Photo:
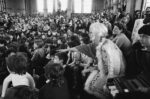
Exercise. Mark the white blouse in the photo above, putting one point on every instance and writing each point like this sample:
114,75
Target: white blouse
19,79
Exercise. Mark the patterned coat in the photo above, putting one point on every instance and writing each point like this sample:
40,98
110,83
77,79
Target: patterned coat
110,64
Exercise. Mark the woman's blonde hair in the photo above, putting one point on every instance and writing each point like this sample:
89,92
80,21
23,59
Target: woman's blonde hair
99,30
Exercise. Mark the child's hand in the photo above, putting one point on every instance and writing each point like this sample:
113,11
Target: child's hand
1,97
143,89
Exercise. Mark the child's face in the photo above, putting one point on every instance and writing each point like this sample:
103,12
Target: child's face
59,42
57,60
12,53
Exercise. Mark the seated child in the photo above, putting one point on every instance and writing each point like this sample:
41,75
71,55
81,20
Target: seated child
17,67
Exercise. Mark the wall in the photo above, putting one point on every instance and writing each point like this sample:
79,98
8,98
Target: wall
33,8
21,6
97,5
15,6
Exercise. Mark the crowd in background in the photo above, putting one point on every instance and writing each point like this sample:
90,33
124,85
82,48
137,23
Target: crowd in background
30,46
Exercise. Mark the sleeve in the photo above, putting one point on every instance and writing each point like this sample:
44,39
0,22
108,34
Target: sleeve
31,80
6,82
142,30
88,49
119,42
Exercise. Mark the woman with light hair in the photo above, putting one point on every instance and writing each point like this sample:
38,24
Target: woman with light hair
97,32
109,57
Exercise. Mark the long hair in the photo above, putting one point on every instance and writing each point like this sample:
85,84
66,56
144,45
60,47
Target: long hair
54,72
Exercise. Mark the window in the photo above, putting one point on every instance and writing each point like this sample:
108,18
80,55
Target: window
64,4
50,5
146,4
40,5
87,6
77,6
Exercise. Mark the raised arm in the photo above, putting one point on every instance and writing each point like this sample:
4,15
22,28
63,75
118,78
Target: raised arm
73,49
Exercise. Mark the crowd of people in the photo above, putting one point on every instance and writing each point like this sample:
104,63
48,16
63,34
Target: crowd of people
56,57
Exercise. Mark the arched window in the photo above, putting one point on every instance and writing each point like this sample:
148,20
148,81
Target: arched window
87,6
40,5
50,5
77,6
64,4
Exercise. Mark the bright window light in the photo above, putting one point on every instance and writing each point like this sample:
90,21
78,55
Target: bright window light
50,6
148,0
40,5
77,6
87,6
64,4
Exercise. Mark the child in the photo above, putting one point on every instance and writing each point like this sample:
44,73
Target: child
56,86
17,66
61,58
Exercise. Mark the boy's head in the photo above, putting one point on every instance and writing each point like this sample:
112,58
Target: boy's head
61,58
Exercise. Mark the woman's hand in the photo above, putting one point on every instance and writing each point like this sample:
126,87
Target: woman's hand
143,89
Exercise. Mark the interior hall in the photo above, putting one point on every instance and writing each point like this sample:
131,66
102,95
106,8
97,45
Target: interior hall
74,49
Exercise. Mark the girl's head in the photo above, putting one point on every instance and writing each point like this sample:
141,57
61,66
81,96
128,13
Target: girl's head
17,63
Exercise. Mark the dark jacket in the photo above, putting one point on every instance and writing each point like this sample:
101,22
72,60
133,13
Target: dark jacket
50,92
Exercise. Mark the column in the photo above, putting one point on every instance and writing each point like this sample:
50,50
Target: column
72,5
45,8
24,10
82,6
70,8
55,5
115,5
130,6
138,5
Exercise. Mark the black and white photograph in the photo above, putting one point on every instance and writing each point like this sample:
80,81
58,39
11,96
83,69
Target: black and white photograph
74,49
